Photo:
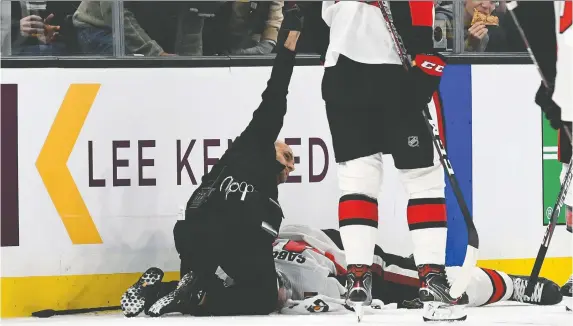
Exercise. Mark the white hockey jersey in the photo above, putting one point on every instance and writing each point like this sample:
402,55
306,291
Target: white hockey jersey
563,83
310,260
357,31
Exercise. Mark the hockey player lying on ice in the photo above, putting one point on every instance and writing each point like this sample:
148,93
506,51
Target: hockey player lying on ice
310,278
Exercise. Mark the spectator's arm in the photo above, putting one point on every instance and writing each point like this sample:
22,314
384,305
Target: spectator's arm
274,21
474,44
136,39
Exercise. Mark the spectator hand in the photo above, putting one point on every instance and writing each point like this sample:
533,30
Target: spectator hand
544,99
35,26
261,48
50,31
31,25
477,32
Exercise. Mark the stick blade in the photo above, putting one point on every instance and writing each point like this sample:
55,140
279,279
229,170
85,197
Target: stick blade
463,280
44,313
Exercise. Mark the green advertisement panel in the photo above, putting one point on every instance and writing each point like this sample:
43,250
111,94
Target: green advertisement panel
551,172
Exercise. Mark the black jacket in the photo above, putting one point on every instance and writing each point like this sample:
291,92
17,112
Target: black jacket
244,181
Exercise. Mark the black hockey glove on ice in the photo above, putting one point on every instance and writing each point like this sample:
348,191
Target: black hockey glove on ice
423,80
543,98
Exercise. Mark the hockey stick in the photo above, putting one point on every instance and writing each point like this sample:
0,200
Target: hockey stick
50,312
470,261
566,182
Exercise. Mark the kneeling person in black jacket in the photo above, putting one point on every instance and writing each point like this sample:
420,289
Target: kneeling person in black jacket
232,219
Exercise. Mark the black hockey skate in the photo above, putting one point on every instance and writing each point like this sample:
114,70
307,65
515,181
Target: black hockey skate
546,292
184,299
133,300
435,295
358,288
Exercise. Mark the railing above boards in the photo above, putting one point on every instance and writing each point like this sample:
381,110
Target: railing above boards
224,61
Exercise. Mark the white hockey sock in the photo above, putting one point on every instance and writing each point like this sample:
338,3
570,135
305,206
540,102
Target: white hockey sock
427,222
358,221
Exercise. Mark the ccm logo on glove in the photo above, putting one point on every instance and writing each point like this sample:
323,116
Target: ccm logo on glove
430,64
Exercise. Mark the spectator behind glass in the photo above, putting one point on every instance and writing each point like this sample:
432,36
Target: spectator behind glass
41,28
254,29
483,36
151,28
244,28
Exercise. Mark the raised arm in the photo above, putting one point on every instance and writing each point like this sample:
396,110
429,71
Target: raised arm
268,118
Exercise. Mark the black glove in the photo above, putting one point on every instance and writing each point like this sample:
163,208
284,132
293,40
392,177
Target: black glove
293,16
543,98
423,80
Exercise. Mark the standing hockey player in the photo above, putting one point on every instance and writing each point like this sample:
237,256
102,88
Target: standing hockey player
547,26
374,106
233,217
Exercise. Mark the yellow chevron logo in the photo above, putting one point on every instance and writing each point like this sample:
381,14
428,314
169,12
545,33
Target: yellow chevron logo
53,159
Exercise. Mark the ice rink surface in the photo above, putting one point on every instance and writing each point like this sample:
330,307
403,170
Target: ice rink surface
503,314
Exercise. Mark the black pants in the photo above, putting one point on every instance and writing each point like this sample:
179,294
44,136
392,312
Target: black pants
244,251
366,114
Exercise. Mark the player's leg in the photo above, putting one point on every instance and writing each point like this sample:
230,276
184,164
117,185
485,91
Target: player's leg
355,128
199,244
489,286
423,178
359,182
248,262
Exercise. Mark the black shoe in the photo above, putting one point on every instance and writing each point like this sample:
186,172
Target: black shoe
567,288
133,300
184,299
435,295
546,292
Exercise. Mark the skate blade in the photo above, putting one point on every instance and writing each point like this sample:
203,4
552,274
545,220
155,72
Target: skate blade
439,312
359,311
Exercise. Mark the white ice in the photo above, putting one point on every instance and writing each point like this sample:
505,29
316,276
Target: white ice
502,314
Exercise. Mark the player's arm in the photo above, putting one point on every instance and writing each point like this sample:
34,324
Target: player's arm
268,118
537,18
414,21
